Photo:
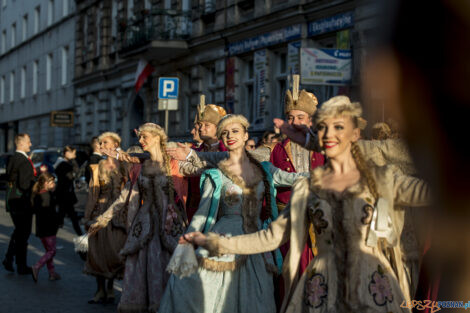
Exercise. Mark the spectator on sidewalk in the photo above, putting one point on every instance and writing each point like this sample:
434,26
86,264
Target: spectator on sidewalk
66,198
95,158
44,204
21,175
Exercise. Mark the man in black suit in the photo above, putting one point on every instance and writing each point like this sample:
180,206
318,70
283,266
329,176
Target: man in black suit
21,176
95,157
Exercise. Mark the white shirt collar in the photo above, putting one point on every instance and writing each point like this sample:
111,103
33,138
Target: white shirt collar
23,153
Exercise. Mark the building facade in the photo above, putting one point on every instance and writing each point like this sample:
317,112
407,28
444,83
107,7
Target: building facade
241,54
36,69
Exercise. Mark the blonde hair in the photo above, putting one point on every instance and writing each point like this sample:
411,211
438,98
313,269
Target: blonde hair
154,129
339,106
157,130
115,137
342,106
231,119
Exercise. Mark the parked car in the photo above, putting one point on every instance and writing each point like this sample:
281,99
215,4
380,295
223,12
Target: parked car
3,170
45,157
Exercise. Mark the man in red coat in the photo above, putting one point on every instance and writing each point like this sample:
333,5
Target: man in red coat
208,117
292,157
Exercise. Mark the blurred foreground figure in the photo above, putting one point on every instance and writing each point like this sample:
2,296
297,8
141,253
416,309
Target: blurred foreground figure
427,93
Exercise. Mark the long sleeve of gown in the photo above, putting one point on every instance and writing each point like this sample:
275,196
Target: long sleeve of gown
187,168
411,191
120,203
284,179
200,217
388,152
262,241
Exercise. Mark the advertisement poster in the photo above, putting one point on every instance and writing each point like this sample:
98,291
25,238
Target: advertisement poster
260,64
325,66
230,85
293,58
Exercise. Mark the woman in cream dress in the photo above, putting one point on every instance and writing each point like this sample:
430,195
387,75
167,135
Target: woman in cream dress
346,207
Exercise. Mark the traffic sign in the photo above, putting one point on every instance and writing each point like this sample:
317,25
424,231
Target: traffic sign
168,88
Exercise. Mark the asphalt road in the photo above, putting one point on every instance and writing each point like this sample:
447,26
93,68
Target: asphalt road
19,294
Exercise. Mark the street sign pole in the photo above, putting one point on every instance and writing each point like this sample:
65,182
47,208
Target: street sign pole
166,121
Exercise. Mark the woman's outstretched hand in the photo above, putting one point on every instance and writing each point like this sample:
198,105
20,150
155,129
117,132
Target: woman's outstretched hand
112,153
296,133
179,153
195,238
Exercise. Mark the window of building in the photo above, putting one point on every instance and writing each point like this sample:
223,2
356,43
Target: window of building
147,5
65,51
209,6
4,3
65,7
2,90
37,16
280,74
114,14
130,8
99,17
12,86
85,38
35,76
23,83
24,29
210,83
247,85
50,12
4,41
49,71
13,35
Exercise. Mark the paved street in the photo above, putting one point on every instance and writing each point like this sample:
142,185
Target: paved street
69,295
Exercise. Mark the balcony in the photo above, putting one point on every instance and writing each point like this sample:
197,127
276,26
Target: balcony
156,34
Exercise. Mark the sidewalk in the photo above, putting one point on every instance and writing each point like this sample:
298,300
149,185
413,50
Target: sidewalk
19,294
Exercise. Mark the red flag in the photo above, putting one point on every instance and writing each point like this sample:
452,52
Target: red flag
144,69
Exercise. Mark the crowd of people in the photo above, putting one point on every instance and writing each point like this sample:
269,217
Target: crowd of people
312,222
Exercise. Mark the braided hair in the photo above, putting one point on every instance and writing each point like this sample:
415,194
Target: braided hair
267,188
166,160
364,169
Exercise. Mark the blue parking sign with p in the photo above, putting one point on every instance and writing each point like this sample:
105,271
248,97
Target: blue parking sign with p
168,88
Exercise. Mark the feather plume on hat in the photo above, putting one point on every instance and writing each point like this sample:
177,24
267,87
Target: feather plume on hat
200,108
302,101
209,112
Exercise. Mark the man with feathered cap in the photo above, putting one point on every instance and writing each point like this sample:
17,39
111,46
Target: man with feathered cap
208,116
288,155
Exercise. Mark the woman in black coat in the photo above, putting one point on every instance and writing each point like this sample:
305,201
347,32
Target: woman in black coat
66,198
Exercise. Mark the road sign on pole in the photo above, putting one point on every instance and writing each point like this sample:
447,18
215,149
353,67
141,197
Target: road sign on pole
168,87
167,96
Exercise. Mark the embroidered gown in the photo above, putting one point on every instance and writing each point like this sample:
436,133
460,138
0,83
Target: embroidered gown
229,283
348,274
154,229
103,258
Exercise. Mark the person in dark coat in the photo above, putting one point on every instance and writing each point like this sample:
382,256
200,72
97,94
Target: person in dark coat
44,205
66,198
95,158
21,176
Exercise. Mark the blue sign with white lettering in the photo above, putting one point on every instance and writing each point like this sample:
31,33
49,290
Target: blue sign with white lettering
334,23
285,34
168,88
